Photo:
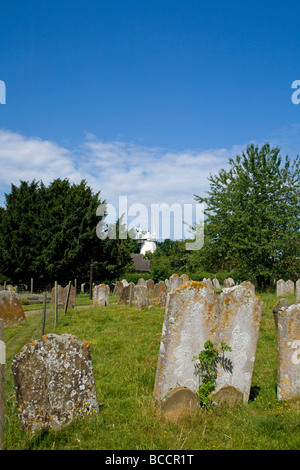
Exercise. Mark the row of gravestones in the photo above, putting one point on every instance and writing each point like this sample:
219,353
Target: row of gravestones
61,366
284,288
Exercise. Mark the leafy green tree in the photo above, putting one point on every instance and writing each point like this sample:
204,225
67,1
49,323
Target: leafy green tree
253,216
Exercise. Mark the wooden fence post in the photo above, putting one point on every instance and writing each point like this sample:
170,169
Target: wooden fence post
2,384
68,296
55,303
44,313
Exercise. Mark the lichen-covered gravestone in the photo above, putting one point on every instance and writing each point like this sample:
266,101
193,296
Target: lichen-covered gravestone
195,314
11,310
54,382
284,288
288,385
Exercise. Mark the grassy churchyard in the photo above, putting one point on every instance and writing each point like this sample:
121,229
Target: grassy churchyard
124,346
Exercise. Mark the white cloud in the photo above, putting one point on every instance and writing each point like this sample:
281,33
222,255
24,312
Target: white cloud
145,175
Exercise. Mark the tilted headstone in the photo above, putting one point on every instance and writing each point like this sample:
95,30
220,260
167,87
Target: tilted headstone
194,314
118,288
141,296
288,382
101,295
127,294
298,292
283,303
11,310
54,382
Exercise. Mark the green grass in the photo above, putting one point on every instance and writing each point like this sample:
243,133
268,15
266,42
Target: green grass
124,347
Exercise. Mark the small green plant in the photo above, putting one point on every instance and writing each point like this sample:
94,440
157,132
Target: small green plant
207,368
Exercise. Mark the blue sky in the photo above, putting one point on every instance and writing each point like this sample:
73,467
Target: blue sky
144,98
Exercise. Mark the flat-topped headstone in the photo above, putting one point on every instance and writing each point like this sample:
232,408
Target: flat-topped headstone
194,314
54,382
101,295
288,384
11,310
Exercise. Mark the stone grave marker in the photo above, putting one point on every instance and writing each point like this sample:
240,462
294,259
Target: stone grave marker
54,382
141,296
158,288
60,296
127,294
298,292
11,310
118,288
208,282
101,295
150,285
174,282
285,288
194,314
288,382
283,303
228,282
162,299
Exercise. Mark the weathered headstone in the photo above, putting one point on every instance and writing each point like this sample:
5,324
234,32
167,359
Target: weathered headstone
141,296
125,283
11,310
127,294
174,282
288,384
283,303
72,297
194,314
60,296
285,288
162,299
54,382
228,282
207,282
118,288
142,281
150,285
158,288
101,295
216,283
298,292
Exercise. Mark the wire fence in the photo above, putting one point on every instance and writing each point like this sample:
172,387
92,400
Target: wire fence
15,338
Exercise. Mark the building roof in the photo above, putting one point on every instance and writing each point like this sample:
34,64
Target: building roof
141,264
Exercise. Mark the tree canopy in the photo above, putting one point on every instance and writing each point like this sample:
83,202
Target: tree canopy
252,216
49,233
